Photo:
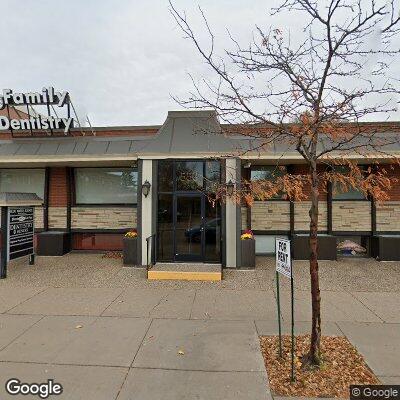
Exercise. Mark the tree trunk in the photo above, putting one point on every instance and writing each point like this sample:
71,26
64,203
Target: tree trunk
314,356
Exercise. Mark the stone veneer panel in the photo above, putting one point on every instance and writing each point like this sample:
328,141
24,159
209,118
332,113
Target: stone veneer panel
388,216
103,217
351,215
270,216
38,218
58,217
302,218
244,218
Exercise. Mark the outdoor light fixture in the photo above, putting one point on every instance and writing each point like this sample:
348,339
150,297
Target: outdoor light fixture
230,186
247,165
146,188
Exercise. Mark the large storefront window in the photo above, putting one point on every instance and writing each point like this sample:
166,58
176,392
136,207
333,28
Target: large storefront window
349,193
105,186
268,173
23,181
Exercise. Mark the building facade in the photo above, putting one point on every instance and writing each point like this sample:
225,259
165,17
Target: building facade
98,184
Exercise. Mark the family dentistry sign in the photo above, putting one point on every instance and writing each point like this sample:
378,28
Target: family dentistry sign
48,97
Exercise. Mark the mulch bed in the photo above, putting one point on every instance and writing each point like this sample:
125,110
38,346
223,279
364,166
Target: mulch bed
343,366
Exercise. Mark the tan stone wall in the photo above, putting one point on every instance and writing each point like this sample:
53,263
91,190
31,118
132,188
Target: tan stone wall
388,216
270,216
302,218
38,218
244,218
103,217
351,215
58,217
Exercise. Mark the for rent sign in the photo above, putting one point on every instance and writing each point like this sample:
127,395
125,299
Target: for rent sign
283,260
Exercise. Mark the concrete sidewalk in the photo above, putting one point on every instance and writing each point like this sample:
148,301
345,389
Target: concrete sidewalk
140,341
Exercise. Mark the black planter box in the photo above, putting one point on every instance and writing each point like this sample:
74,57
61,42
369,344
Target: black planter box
53,243
130,251
248,253
386,247
326,247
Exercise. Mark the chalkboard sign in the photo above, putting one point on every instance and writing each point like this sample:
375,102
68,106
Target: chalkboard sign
20,232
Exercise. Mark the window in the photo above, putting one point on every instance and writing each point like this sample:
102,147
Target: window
269,173
23,180
188,175
105,186
338,192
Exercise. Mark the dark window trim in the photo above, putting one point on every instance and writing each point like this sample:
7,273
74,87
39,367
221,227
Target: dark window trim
104,205
341,200
101,231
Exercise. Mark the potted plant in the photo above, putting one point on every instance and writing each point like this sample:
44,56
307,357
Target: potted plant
130,247
248,245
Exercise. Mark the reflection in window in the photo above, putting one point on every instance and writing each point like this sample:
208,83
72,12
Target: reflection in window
189,175
105,186
165,175
23,181
212,175
268,173
350,193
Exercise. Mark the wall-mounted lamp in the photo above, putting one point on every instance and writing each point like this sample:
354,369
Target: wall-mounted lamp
230,186
146,188
247,165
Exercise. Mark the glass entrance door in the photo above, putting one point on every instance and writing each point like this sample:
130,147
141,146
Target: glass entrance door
189,227
188,224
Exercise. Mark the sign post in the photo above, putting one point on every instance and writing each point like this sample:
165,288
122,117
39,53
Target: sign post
284,267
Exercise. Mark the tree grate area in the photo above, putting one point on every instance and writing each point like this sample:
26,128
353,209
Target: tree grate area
342,366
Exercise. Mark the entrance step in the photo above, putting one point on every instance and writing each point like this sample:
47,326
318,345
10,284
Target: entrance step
185,272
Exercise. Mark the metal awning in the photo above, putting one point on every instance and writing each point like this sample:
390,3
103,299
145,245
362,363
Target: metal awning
184,134
19,199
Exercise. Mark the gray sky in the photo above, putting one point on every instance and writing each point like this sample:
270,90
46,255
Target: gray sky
120,59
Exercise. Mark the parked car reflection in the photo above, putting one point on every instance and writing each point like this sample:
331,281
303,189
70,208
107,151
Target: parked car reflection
210,227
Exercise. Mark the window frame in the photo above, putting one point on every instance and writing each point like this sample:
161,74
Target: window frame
45,179
102,205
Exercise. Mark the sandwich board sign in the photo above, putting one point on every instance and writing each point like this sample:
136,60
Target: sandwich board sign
17,224
20,232
283,259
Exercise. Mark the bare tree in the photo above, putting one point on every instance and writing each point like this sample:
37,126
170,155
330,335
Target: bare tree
311,93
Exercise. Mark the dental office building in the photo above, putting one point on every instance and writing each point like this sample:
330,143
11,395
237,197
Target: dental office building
97,184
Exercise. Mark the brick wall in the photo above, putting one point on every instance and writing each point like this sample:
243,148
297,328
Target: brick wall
351,216
58,197
393,172
302,218
58,187
270,215
388,216
103,217
303,170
